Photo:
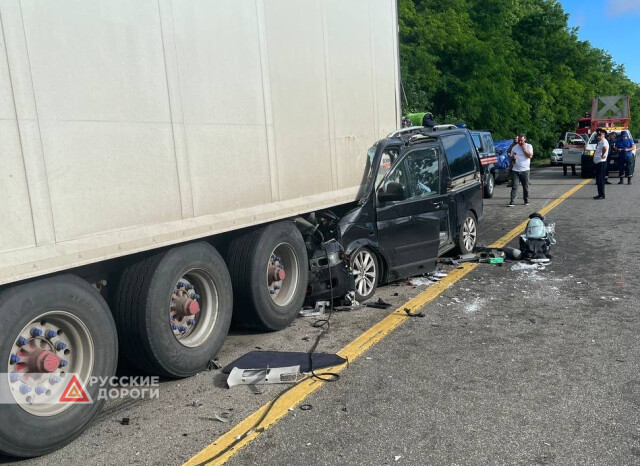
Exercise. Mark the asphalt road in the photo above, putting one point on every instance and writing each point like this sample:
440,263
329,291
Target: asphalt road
509,366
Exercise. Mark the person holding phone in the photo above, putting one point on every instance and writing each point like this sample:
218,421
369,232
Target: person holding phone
522,153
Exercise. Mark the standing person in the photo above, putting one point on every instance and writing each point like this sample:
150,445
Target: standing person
522,154
625,148
600,163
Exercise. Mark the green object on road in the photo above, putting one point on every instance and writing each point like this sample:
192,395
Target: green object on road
496,260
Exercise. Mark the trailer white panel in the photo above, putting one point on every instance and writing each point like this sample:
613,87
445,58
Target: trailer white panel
148,123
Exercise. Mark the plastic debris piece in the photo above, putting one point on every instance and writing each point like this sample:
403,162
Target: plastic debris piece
306,407
268,375
397,457
224,417
419,281
125,421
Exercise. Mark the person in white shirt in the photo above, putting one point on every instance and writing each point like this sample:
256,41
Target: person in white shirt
522,153
600,163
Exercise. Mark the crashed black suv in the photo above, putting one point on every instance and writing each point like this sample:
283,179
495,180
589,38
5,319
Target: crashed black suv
421,197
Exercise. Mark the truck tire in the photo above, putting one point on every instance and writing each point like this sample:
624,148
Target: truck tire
173,310
467,233
269,270
586,172
66,322
366,271
489,186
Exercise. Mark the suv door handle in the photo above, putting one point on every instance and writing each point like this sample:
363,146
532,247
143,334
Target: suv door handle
438,204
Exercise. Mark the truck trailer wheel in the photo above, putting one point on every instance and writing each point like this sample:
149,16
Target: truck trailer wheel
173,310
51,329
468,233
269,270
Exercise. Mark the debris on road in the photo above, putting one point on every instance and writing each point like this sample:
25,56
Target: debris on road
319,309
276,359
379,304
419,281
125,421
306,407
214,364
267,375
413,314
195,404
223,417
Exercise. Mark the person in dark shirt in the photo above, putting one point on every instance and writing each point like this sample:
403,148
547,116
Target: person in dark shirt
625,148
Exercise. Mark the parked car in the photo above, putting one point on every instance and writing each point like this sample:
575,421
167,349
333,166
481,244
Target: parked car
422,197
556,154
488,159
503,166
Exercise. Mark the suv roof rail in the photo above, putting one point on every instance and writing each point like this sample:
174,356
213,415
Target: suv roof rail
400,132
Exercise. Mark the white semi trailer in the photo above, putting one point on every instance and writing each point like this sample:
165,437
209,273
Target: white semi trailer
154,154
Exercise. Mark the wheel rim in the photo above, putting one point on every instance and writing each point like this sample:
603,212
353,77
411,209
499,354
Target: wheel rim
48,348
364,271
469,233
491,183
193,309
282,274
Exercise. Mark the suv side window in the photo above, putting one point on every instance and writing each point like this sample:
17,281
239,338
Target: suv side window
398,174
477,142
488,143
459,155
423,173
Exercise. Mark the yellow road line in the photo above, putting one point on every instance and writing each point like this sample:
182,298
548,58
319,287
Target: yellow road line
219,452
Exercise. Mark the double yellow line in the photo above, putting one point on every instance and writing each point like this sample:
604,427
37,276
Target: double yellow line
223,448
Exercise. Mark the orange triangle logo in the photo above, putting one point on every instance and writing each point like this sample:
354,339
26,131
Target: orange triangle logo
75,392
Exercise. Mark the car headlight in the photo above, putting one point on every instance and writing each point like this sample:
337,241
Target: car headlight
590,153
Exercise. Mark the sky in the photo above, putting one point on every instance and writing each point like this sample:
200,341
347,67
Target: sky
611,25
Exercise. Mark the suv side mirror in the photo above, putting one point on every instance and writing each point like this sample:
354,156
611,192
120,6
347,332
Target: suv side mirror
393,192
500,151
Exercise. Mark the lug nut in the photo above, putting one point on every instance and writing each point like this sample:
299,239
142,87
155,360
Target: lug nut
174,327
191,322
21,341
14,359
14,377
189,287
272,291
182,329
40,390
24,389
61,346
181,285
54,380
63,363
175,290
36,332
196,296
51,334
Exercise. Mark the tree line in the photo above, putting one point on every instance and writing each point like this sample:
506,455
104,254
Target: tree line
507,65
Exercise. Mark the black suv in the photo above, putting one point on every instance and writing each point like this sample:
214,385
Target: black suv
421,197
